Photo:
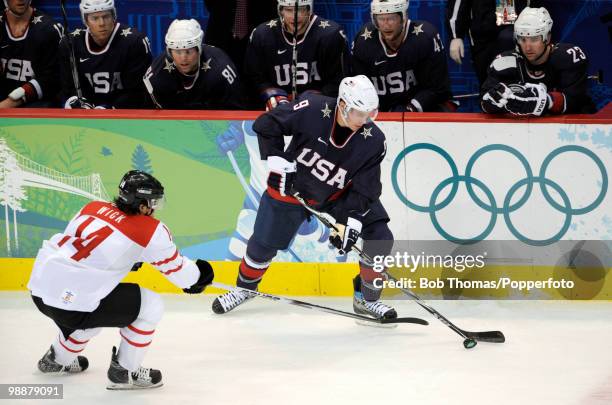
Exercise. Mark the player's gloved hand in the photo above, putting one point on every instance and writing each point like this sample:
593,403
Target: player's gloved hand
231,139
274,97
345,237
136,266
206,277
75,102
528,99
282,173
456,50
497,96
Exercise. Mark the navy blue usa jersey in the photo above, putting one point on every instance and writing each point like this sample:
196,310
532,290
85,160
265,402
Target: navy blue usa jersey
31,60
112,76
564,72
320,58
216,85
332,162
416,74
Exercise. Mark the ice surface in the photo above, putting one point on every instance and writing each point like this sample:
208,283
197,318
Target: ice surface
557,352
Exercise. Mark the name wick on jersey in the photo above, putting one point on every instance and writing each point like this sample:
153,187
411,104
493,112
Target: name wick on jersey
110,213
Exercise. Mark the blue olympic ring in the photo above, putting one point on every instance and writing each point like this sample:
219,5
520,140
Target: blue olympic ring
507,208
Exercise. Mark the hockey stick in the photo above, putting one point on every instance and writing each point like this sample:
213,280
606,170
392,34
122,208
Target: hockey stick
294,54
470,338
73,66
308,305
241,179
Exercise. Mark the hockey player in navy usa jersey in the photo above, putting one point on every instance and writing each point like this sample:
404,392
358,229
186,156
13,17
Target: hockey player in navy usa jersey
404,58
76,281
29,66
191,75
111,60
321,51
333,161
538,77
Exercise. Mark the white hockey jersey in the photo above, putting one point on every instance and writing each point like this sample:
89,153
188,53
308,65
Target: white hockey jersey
74,270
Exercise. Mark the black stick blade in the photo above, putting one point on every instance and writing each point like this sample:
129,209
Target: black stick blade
417,321
494,336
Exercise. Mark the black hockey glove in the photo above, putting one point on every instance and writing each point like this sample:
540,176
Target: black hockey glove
497,97
206,277
282,173
346,235
136,266
528,99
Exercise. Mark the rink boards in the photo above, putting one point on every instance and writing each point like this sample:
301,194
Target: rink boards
530,188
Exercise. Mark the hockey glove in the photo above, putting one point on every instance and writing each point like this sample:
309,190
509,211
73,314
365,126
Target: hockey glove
497,96
528,99
206,277
274,97
282,173
75,102
345,236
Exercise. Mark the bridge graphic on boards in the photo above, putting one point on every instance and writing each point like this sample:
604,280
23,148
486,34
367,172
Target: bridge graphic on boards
18,172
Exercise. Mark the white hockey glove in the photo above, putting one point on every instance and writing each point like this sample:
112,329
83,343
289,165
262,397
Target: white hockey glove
346,235
281,174
456,50
528,99
497,96
75,102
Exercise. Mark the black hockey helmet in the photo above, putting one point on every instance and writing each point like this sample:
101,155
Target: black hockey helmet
138,187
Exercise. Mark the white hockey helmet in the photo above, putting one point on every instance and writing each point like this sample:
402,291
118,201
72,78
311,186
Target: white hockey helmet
184,34
533,22
291,3
388,7
93,6
358,93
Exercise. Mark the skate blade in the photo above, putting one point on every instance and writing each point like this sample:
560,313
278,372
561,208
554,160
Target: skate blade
376,325
127,387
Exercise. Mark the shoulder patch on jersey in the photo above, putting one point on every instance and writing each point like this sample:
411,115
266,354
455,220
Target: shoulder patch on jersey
366,132
417,29
504,62
366,34
139,228
206,65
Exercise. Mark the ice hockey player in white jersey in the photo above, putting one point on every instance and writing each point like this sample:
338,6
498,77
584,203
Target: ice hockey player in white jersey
76,281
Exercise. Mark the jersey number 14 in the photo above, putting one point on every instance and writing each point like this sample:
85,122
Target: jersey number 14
85,245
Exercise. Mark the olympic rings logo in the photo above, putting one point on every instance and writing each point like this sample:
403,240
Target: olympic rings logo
507,207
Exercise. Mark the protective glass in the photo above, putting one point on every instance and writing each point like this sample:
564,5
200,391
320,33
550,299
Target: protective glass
157,203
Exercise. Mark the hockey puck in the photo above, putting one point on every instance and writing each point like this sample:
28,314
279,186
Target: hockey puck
469,343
